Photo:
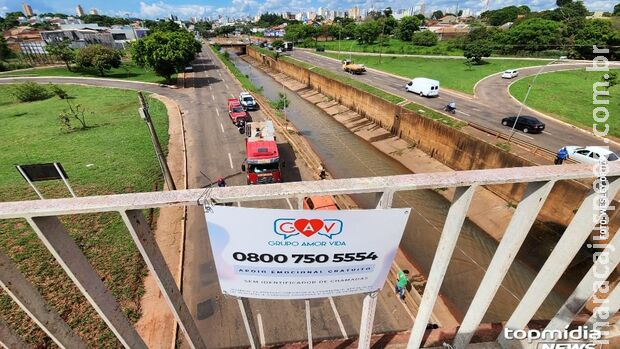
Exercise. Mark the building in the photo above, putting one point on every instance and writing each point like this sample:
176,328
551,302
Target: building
27,10
79,11
93,11
355,13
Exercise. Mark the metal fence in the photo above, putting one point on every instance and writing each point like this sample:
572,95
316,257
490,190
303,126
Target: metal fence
42,216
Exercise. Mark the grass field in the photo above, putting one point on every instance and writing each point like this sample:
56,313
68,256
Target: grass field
391,46
451,73
114,155
127,71
568,96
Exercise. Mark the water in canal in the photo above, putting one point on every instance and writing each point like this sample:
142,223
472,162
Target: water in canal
347,155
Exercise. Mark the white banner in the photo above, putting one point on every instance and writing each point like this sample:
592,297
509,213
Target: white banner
301,254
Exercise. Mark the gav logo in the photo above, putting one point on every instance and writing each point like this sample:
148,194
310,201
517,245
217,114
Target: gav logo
289,227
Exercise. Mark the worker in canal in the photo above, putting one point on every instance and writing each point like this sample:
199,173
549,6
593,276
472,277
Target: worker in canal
401,283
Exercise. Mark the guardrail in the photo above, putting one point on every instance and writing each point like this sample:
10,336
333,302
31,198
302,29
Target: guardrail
42,216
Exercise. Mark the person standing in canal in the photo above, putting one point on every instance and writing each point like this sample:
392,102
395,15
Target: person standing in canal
401,283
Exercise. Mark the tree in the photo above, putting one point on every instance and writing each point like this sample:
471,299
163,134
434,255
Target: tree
535,34
5,51
388,25
62,51
105,21
367,32
165,52
224,30
437,14
502,15
276,44
617,10
406,27
460,13
10,20
387,12
421,17
270,20
295,32
424,38
561,3
476,52
99,57
162,26
203,28
595,32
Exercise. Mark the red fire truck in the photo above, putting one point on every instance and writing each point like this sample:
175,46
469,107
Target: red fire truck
237,113
262,164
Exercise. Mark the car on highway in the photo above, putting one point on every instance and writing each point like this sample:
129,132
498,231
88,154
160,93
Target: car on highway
591,154
424,87
525,123
509,74
247,101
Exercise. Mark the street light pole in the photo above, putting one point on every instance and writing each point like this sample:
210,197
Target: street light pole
529,88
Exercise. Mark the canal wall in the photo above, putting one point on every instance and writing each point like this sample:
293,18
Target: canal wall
450,146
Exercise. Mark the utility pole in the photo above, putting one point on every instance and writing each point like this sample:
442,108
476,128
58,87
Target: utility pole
144,113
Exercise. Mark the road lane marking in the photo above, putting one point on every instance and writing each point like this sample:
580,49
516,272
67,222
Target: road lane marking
338,319
548,133
230,159
526,136
225,84
222,127
289,204
213,97
210,88
217,111
232,95
464,113
261,332
238,203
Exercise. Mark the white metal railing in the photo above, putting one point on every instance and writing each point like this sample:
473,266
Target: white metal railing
42,217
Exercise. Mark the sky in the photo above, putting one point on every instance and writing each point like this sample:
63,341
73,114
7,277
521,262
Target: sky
237,8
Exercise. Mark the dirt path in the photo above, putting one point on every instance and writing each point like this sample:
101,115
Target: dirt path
157,324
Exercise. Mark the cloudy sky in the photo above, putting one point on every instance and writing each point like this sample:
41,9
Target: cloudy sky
238,8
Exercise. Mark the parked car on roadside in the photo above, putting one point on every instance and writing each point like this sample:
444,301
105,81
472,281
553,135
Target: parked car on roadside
509,74
527,124
590,154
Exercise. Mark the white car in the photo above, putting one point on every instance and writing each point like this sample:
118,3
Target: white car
591,154
247,101
509,74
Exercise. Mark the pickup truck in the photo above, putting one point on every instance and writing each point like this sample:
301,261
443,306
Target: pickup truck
247,101
349,67
237,113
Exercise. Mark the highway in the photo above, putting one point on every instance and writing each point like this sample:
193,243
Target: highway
491,103
215,148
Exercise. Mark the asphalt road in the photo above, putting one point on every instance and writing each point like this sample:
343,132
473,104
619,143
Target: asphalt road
216,149
491,103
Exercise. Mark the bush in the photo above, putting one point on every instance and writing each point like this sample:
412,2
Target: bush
58,91
30,91
424,38
99,57
320,49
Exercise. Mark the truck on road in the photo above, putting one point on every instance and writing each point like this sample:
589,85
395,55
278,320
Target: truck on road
349,67
262,163
237,113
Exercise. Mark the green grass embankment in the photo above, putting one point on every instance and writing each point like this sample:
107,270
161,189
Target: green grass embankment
114,155
567,95
127,71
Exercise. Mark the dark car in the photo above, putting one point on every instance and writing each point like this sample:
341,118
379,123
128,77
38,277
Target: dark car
527,124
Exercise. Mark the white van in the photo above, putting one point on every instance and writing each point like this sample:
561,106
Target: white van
423,87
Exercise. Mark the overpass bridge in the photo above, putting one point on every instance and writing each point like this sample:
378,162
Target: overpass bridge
43,218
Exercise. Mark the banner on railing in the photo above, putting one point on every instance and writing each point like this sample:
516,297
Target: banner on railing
301,254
